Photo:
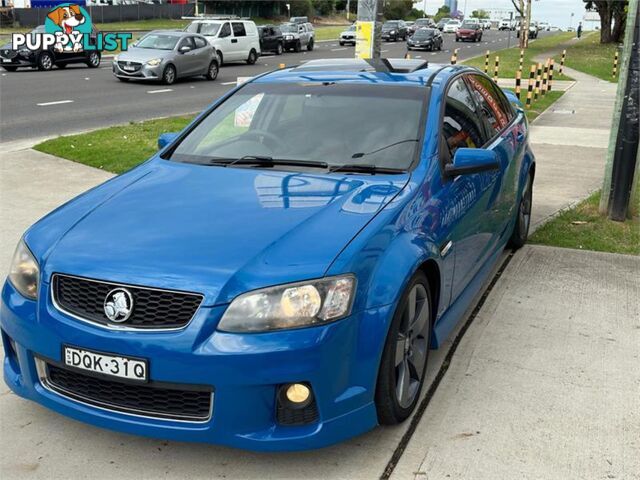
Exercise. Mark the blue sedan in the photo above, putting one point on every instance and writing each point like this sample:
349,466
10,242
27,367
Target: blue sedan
275,276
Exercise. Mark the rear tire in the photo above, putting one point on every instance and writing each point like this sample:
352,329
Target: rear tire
93,60
404,359
253,57
212,71
45,61
523,219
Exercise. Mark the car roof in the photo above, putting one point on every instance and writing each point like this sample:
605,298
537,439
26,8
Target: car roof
173,33
404,72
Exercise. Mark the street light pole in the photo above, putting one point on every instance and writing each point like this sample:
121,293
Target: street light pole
369,29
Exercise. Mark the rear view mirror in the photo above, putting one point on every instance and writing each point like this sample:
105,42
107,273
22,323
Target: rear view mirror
472,160
166,138
185,49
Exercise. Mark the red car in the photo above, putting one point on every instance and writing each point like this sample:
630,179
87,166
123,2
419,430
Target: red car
469,31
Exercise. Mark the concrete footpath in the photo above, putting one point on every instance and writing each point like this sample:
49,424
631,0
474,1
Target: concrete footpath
545,383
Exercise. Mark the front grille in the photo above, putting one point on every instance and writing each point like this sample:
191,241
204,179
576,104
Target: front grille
184,402
152,309
287,415
135,65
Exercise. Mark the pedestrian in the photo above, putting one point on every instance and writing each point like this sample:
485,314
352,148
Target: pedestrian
579,31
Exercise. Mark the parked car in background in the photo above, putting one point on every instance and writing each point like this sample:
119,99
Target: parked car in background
507,24
451,26
348,36
275,276
471,31
271,39
166,55
299,20
46,59
298,36
533,31
394,30
544,26
425,39
442,23
486,24
421,23
235,40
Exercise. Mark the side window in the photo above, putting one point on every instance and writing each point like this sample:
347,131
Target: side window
238,29
225,31
461,125
200,42
493,110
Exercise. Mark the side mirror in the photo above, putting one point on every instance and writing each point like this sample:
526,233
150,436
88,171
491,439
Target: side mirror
472,160
166,138
185,49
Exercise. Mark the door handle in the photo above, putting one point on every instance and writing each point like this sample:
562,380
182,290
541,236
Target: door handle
234,40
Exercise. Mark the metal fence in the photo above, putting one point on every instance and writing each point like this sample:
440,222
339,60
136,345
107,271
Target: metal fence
31,17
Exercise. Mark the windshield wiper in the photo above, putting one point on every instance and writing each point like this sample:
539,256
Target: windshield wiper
362,154
267,161
364,168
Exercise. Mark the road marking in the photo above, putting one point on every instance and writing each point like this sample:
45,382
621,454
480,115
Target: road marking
434,53
418,56
338,49
59,102
162,90
228,83
384,51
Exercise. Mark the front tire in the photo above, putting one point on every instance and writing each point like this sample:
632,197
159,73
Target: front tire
279,49
297,47
310,45
169,75
45,61
404,359
523,220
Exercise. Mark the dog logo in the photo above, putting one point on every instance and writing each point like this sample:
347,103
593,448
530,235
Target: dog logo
68,29
118,305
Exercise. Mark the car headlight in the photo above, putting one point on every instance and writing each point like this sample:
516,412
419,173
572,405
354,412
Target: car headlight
24,272
392,32
154,62
294,305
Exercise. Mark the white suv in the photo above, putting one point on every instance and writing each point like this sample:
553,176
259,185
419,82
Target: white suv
235,40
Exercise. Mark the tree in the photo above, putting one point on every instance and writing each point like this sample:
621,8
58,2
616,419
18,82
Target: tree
523,7
324,7
301,8
610,11
480,14
443,12
397,9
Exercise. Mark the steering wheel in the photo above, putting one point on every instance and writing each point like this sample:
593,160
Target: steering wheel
266,136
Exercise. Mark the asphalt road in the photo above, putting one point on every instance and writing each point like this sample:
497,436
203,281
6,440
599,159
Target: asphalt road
94,98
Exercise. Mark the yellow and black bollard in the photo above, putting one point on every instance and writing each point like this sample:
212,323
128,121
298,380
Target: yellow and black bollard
407,55
615,64
550,75
486,62
536,92
561,69
532,73
521,60
496,69
545,78
518,80
454,56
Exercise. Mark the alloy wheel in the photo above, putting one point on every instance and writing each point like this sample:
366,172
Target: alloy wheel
412,346
94,59
46,62
524,214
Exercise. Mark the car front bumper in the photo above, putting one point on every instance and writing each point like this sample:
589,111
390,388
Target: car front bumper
144,72
18,61
348,40
420,46
339,360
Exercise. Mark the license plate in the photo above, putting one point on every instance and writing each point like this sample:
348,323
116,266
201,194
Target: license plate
6,60
106,364
128,68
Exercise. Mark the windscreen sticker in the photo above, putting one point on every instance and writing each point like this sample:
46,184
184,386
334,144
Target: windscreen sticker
245,112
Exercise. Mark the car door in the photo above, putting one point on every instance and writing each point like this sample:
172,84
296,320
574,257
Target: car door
506,140
239,41
202,54
224,43
186,60
304,35
268,40
467,201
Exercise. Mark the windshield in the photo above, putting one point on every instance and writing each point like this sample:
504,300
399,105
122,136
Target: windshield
352,28
158,41
390,26
424,33
289,28
339,124
469,25
422,21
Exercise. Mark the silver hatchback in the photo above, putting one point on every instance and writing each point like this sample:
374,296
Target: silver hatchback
165,55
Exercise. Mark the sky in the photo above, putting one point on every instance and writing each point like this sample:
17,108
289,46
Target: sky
556,12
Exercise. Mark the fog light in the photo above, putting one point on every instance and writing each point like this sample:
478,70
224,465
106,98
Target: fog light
298,393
